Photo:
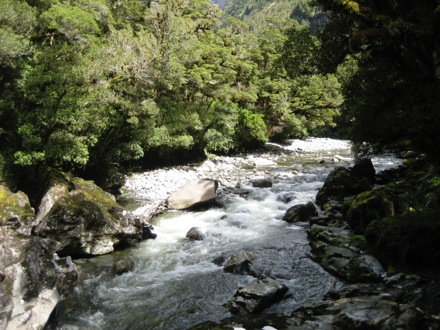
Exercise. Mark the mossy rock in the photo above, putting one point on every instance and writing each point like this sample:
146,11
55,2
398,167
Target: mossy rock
15,209
366,207
340,184
87,221
409,242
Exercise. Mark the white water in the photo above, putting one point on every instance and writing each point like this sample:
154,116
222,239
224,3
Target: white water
175,283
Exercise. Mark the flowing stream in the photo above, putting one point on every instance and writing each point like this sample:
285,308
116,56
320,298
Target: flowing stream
177,283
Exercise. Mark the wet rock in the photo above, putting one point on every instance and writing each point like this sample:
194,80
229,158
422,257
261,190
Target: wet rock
364,169
193,193
195,234
286,197
340,255
86,221
262,183
240,263
300,213
340,183
367,312
124,266
257,296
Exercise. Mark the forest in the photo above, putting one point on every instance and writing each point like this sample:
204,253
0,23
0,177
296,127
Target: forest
94,87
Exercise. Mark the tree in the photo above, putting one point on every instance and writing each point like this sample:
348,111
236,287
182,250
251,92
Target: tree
394,96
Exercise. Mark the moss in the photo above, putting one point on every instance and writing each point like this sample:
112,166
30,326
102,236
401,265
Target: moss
14,204
95,194
366,207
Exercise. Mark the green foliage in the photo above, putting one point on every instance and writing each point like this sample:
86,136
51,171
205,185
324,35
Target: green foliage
89,86
251,128
262,14
299,51
316,100
17,20
69,21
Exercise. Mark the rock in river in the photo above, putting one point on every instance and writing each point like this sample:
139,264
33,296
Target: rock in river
193,193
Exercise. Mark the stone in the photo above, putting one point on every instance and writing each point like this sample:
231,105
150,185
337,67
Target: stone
364,168
16,210
262,183
195,234
240,263
194,193
340,183
34,280
86,221
300,213
337,251
257,296
124,266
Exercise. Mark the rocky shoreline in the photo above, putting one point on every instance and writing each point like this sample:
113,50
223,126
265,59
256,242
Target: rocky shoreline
372,298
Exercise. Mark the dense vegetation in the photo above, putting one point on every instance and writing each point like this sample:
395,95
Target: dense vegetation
88,86
393,96
389,51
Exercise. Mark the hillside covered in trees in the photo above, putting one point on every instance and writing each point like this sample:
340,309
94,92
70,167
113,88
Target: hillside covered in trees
89,86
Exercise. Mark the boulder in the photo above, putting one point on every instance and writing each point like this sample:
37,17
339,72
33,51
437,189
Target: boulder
341,183
124,266
257,296
16,211
193,193
364,169
359,313
34,280
240,263
262,183
300,212
195,234
86,221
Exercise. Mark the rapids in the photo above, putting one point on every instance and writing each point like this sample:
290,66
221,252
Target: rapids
178,283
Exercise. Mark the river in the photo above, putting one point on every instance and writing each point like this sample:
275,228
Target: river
177,283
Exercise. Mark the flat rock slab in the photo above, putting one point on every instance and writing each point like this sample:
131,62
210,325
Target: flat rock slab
257,296
193,193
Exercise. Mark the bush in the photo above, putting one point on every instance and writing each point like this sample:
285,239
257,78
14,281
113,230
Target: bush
251,129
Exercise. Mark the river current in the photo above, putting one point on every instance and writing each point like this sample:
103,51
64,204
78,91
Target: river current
177,283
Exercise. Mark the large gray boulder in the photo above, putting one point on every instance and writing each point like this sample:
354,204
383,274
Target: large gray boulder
85,220
257,296
194,193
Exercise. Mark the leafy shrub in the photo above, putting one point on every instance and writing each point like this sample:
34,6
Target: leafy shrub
251,128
